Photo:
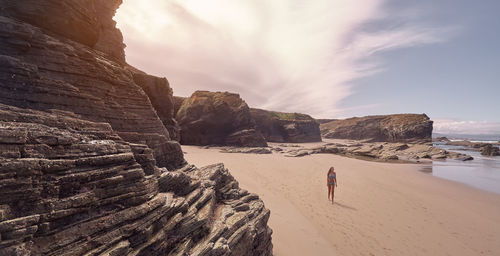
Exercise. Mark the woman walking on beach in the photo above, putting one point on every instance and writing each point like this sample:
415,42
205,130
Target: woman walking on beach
331,182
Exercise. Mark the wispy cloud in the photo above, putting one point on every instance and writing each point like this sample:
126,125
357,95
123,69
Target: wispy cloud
286,55
450,126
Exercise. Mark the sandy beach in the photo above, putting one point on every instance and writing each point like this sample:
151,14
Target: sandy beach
380,208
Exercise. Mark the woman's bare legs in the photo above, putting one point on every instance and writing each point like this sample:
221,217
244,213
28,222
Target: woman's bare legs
329,189
333,192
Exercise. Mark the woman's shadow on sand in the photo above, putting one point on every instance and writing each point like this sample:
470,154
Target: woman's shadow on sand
345,206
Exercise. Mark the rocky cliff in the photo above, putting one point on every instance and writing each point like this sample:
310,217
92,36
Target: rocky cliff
74,187
178,103
389,128
54,55
161,96
217,118
87,167
286,127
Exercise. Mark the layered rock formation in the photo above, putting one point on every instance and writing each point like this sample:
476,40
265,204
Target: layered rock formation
490,150
178,103
486,149
286,127
217,118
389,128
73,187
380,151
68,56
86,165
161,96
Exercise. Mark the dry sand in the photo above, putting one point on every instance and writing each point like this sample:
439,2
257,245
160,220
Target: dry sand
380,208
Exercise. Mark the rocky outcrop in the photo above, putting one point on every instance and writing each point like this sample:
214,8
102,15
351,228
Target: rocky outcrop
74,187
161,96
323,121
381,151
465,143
389,128
441,139
286,127
86,165
88,22
217,118
247,150
57,55
490,150
178,103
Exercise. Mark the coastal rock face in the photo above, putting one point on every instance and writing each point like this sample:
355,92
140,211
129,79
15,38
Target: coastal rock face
160,95
68,56
217,118
388,128
490,150
178,103
74,187
88,22
286,127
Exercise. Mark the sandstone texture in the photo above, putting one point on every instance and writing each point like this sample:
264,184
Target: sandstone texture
383,128
74,187
161,96
88,164
217,118
286,127
53,55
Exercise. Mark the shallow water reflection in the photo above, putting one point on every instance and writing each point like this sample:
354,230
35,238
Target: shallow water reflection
482,172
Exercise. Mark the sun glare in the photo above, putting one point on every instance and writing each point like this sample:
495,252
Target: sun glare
144,20
236,17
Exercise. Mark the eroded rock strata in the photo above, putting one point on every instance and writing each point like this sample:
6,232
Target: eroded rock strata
490,150
87,167
286,127
217,118
383,128
178,103
381,151
41,69
161,96
74,187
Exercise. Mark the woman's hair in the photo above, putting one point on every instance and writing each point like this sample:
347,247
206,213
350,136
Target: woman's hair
331,169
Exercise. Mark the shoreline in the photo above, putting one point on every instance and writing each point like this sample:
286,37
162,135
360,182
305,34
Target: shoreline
381,208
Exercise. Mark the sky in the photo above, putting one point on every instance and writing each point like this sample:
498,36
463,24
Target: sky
328,58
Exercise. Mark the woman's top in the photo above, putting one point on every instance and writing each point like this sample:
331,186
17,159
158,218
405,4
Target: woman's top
331,177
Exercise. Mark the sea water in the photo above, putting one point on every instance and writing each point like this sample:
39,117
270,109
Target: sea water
483,172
